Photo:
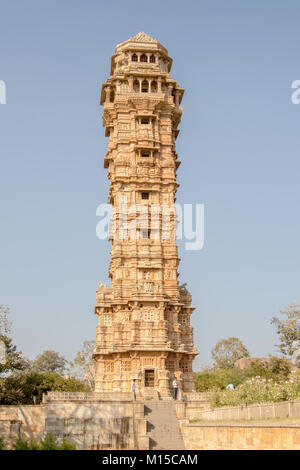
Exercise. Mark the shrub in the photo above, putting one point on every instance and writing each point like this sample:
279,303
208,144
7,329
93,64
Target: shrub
258,390
21,444
67,445
49,443
2,445
33,445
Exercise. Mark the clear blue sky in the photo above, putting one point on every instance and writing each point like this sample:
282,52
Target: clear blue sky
239,147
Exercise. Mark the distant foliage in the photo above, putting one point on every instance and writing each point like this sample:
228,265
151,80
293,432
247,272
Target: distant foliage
18,387
227,351
258,390
84,367
288,329
275,368
219,378
50,361
2,445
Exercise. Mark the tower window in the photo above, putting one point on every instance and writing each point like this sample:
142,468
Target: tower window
145,153
145,195
144,120
170,365
183,366
136,86
145,233
143,58
134,58
145,86
152,59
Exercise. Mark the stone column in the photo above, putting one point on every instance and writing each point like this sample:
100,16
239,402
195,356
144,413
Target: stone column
130,79
159,85
107,94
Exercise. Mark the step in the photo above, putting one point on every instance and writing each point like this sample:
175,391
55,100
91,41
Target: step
162,426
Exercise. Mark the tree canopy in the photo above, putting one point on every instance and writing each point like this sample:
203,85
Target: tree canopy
227,351
288,330
50,361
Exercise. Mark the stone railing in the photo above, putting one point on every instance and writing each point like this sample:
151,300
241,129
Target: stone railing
196,396
87,396
258,411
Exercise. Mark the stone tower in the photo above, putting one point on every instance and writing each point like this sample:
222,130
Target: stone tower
144,330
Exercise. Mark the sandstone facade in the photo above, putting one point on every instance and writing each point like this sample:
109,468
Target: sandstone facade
144,330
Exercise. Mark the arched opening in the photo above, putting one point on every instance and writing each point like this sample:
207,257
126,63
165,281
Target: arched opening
143,58
154,86
134,58
152,59
145,86
112,96
136,86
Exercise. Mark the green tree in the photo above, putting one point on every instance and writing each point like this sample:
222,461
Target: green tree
227,351
50,361
83,367
219,378
276,368
18,387
11,359
288,329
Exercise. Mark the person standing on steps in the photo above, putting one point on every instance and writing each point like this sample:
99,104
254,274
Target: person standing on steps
133,389
175,389
35,395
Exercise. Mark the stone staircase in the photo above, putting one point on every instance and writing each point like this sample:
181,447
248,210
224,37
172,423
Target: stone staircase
162,426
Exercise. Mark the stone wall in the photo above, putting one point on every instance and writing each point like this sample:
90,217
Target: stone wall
257,411
91,425
240,437
26,420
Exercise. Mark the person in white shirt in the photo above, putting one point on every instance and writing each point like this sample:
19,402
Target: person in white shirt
175,389
134,388
230,387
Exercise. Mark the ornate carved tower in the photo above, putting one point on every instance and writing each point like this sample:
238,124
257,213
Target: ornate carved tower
144,330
